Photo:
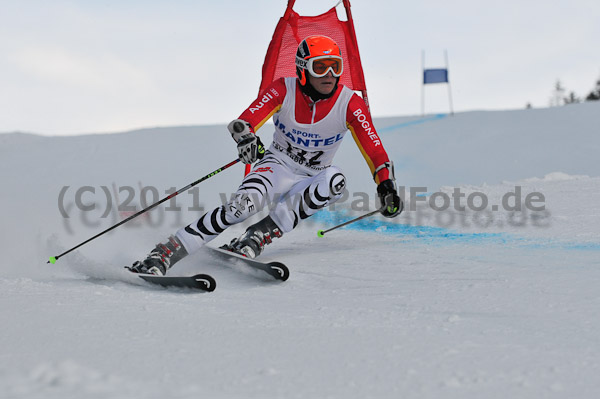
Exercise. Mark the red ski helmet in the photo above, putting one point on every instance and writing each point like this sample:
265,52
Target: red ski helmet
318,55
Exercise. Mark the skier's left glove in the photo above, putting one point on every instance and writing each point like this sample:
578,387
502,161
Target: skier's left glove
250,148
391,203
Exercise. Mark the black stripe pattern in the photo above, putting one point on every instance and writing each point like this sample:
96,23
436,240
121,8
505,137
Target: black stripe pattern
238,209
254,194
312,200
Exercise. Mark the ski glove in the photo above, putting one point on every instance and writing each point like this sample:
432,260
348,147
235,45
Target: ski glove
250,148
391,203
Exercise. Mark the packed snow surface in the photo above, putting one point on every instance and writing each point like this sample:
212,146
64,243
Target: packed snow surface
487,286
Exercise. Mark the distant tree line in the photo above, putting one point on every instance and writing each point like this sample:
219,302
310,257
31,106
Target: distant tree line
595,94
561,97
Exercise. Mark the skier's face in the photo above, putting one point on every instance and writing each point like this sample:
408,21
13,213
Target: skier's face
323,85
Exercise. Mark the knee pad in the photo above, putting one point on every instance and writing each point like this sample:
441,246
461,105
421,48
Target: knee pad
336,181
337,184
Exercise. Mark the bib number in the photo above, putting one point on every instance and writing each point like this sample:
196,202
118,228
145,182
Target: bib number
303,157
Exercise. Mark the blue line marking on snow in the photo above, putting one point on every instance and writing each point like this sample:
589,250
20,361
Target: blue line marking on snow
411,123
440,235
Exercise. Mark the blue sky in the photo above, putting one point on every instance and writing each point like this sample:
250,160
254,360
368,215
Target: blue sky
71,67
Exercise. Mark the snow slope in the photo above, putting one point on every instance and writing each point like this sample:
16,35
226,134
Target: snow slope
453,303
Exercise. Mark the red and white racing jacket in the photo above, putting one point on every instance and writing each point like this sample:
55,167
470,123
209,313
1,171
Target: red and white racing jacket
309,133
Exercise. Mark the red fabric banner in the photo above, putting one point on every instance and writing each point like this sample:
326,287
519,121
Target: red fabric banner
293,28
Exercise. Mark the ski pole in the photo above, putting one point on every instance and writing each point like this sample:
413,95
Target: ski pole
321,233
53,259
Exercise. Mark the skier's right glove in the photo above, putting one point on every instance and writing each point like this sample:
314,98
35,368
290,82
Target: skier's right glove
391,203
250,148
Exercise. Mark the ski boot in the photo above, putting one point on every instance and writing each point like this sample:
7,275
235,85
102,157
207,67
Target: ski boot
161,258
253,241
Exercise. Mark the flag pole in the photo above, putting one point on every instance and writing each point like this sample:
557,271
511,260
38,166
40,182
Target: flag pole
422,83
448,82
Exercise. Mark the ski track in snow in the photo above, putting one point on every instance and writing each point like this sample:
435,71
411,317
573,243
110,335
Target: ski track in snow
407,307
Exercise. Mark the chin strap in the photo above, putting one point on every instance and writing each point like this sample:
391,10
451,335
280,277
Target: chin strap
386,165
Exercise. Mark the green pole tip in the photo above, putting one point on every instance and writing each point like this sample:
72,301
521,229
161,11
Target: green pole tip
52,260
320,233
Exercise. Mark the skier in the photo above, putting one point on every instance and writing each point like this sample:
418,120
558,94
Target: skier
312,113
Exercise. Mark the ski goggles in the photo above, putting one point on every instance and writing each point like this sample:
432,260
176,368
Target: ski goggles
320,66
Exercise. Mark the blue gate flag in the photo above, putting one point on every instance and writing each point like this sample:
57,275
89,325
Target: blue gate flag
435,76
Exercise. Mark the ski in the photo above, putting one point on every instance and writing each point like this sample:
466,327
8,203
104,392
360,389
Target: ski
277,270
202,282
